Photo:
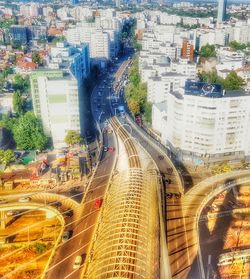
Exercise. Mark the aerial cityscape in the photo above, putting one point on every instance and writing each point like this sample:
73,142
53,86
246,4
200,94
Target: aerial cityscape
125,139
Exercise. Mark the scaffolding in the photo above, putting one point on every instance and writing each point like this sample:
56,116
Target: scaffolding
126,243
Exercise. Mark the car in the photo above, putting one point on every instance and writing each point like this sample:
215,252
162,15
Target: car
69,212
55,203
24,199
66,235
77,263
13,213
111,149
160,157
110,131
105,149
98,203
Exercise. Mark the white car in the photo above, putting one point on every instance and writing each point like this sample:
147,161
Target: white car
24,199
77,263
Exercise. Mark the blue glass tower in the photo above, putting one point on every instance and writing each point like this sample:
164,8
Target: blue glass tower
222,10
74,2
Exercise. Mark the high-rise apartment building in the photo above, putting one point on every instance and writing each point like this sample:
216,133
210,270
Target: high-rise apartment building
58,92
222,10
187,50
203,121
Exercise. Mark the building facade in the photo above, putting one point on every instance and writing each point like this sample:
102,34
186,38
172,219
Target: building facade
58,92
202,121
222,10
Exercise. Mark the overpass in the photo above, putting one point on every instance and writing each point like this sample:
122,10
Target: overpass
126,242
196,199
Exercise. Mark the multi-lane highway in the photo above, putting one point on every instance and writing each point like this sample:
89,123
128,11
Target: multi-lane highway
62,264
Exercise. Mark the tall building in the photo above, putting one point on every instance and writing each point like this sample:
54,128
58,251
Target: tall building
187,50
117,3
19,34
74,2
58,92
222,10
205,122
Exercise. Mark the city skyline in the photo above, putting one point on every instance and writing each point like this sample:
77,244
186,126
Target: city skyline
124,140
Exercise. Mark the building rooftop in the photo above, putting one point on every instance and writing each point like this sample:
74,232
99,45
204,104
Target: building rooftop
203,89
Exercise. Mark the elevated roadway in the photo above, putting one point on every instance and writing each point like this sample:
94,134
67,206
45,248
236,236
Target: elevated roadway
126,241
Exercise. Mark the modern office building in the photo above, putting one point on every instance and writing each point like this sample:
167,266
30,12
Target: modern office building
74,2
19,34
58,92
222,10
205,122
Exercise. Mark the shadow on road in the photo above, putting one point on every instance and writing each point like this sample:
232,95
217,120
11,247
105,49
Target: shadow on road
212,243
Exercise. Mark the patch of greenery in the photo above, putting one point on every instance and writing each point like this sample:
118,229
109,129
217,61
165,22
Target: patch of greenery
27,131
40,247
231,82
6,156
136,94
72,137
207,51
238,46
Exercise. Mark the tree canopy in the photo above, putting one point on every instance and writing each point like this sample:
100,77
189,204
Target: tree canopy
136,94
238,46
21,83
72,137
6,156
18,102
231,82
28,133
207,51
36,58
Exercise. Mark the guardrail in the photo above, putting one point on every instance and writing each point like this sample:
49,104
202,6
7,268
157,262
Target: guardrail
157,145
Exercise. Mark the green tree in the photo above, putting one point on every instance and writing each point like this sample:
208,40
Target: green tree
233,81
207,51
28,133
72,137
18,102
21,83
7,156
134,106
58,39
36,58
238,46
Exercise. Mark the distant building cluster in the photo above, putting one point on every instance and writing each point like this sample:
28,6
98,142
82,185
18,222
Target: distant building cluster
196,119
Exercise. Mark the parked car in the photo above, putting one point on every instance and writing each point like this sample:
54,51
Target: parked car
105,148
66,235
69,212
98,203
111,149
77,263
24,199
55,203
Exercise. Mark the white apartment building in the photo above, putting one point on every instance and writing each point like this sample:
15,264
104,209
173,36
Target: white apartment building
241,32
103,42
230,60
160,86
202,122
58,92
100,45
